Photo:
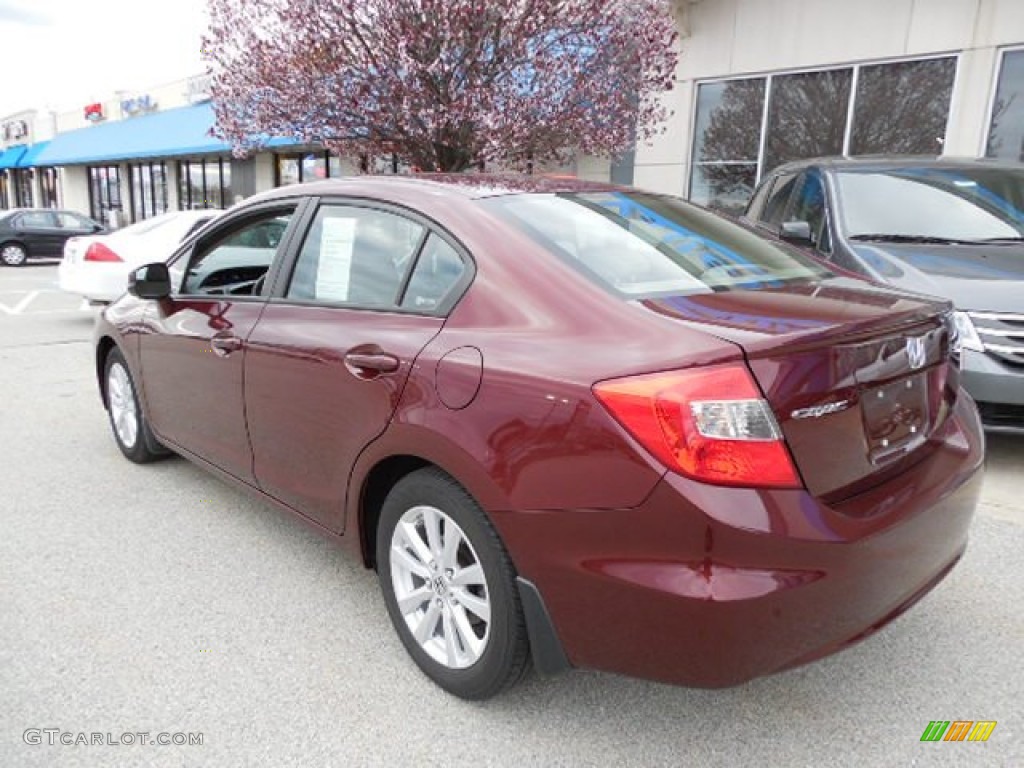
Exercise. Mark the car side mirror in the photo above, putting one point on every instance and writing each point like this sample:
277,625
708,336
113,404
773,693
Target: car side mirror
796,232
97,227
152,281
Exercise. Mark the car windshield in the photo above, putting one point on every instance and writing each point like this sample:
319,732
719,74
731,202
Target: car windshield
932,204
643,245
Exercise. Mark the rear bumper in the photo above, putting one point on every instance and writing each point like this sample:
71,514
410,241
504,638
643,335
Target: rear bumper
708,586
998,389
94,281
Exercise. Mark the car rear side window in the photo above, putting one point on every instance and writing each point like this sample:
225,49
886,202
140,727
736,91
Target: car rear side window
357,256
37,220
644,245
438,270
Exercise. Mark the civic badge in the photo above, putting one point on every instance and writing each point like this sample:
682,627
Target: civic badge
916,353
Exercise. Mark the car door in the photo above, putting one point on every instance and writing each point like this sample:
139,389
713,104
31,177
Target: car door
193,348
327,361
40,233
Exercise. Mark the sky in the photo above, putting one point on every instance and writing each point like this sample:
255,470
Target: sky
64,54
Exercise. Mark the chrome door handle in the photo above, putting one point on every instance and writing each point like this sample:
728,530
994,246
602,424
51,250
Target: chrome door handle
368,364
225,345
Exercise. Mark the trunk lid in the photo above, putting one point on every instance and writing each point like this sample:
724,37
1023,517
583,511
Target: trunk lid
858,376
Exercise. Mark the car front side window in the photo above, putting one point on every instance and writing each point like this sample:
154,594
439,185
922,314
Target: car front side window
774,211
36,220
235,263
808,204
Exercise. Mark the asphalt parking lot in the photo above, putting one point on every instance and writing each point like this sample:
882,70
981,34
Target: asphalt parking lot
157,599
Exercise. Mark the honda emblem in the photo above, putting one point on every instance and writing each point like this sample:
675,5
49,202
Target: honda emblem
916,352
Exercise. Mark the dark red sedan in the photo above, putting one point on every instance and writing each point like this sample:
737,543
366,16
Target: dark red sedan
570,422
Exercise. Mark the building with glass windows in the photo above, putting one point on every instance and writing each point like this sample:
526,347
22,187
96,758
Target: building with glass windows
762,82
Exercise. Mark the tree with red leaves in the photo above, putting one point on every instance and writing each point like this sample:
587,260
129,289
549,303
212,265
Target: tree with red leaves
442,84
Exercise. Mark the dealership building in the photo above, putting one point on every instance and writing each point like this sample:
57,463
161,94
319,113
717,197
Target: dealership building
759,83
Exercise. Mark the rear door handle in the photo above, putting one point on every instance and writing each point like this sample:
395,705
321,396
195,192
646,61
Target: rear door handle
224,345
370,364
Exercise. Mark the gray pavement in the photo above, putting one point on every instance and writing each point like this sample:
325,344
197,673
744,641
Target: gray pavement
158,599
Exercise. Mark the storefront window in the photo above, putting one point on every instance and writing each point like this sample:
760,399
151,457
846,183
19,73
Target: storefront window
1006,129
23,188
204,184
806,116
149,190
727,139
5,200
105,195
306,166
48,185
902,108
895,107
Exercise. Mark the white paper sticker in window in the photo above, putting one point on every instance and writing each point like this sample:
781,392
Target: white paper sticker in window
335,264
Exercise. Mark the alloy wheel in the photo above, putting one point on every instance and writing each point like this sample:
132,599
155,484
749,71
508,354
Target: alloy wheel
13,255
440,587
123,408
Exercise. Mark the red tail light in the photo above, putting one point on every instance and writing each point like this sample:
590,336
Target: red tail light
100,252
710,424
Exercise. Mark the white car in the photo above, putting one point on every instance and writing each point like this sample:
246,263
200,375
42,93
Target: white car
97,266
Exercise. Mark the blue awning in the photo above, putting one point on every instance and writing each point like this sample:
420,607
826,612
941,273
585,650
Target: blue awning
170,133
28,160
9,157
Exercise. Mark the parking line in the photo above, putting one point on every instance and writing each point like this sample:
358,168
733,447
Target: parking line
20,306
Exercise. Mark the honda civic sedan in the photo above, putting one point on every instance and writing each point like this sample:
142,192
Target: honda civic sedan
569,424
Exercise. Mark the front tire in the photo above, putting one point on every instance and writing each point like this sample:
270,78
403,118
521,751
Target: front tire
13,255
450,587
127,422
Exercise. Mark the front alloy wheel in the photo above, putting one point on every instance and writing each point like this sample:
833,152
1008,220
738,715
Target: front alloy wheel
124,410
128,423
450,587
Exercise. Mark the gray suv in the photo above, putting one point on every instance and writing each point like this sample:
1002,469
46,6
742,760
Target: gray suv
945,227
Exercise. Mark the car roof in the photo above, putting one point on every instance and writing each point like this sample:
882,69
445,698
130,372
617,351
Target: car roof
452,186
889,162
11,211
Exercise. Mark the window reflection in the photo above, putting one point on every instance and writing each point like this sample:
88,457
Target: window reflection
726,139
957,204
149,189
899,107
299,167
806,116
1006,131
204,184
902,108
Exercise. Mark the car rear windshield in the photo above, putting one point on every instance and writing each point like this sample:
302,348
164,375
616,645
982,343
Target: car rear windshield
971,204
641,245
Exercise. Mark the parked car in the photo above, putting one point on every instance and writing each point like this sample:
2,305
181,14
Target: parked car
97,266
563,420
947,227
39,233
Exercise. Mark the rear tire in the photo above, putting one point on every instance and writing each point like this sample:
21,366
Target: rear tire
13,255
450,587
127,422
